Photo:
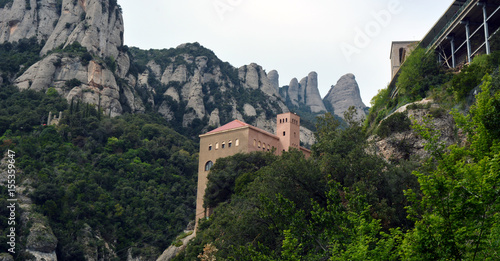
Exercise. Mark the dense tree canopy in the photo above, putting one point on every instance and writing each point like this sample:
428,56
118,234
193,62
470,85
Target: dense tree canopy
130,179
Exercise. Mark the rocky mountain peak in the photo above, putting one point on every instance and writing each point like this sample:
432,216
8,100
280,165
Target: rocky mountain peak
95,24
344,95
305,92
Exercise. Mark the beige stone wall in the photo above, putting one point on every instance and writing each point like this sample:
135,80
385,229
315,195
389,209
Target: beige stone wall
399,53
288,130
234,141
259,140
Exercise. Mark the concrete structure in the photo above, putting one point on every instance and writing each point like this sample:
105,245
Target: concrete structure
465,30
239,137
399,52
54,120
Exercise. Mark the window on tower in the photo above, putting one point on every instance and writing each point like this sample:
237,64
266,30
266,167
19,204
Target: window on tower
208,165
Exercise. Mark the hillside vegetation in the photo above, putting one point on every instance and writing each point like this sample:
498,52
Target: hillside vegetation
129,181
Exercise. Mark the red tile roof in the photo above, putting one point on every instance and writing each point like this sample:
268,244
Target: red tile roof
232,125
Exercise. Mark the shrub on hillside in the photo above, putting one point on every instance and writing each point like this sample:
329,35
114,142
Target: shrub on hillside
397,122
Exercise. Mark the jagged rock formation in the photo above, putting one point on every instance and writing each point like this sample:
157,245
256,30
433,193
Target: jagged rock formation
344,95
22,19
97,25
399,145
304,93
274,79
192,79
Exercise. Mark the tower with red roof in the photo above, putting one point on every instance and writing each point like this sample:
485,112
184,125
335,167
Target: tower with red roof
240,137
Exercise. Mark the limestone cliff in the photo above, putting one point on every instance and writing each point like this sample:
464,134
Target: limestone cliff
190,78
344,95
401,143
304,93
95,24
95,75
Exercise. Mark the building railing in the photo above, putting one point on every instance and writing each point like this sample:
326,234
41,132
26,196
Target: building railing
457,13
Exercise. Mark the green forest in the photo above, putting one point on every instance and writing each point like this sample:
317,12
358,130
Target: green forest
130,179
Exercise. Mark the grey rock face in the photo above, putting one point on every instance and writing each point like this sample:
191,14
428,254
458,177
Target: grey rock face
254,77
41,239
97,84
26,19
93,23
345,94
274,79
306,93
214,118
312,98
293,91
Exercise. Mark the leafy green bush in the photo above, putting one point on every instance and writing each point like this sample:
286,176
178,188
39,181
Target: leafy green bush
419,73
397,122
17,55
72,83
471,75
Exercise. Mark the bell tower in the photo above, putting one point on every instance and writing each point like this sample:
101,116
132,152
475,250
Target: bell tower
288,130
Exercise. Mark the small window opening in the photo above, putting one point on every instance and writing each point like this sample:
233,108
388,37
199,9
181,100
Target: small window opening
208,165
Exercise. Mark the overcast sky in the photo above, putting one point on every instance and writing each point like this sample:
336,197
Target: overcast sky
294,37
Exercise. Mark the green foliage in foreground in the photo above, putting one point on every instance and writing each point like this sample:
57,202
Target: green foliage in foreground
130,179
458,217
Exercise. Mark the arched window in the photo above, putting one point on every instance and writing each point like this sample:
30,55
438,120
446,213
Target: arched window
284,133
229,144
402,55
217,146
210,147
208,165
254,142
237,142
223,144
259,144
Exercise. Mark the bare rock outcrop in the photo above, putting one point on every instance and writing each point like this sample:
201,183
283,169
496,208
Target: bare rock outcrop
92,83
312,98
95,24
254,77
403,144
26,19
305,93
344,95
274,79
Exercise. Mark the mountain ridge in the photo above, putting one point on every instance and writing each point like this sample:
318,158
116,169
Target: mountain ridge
110,74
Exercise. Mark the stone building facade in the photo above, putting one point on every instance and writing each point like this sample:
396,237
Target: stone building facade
239,137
